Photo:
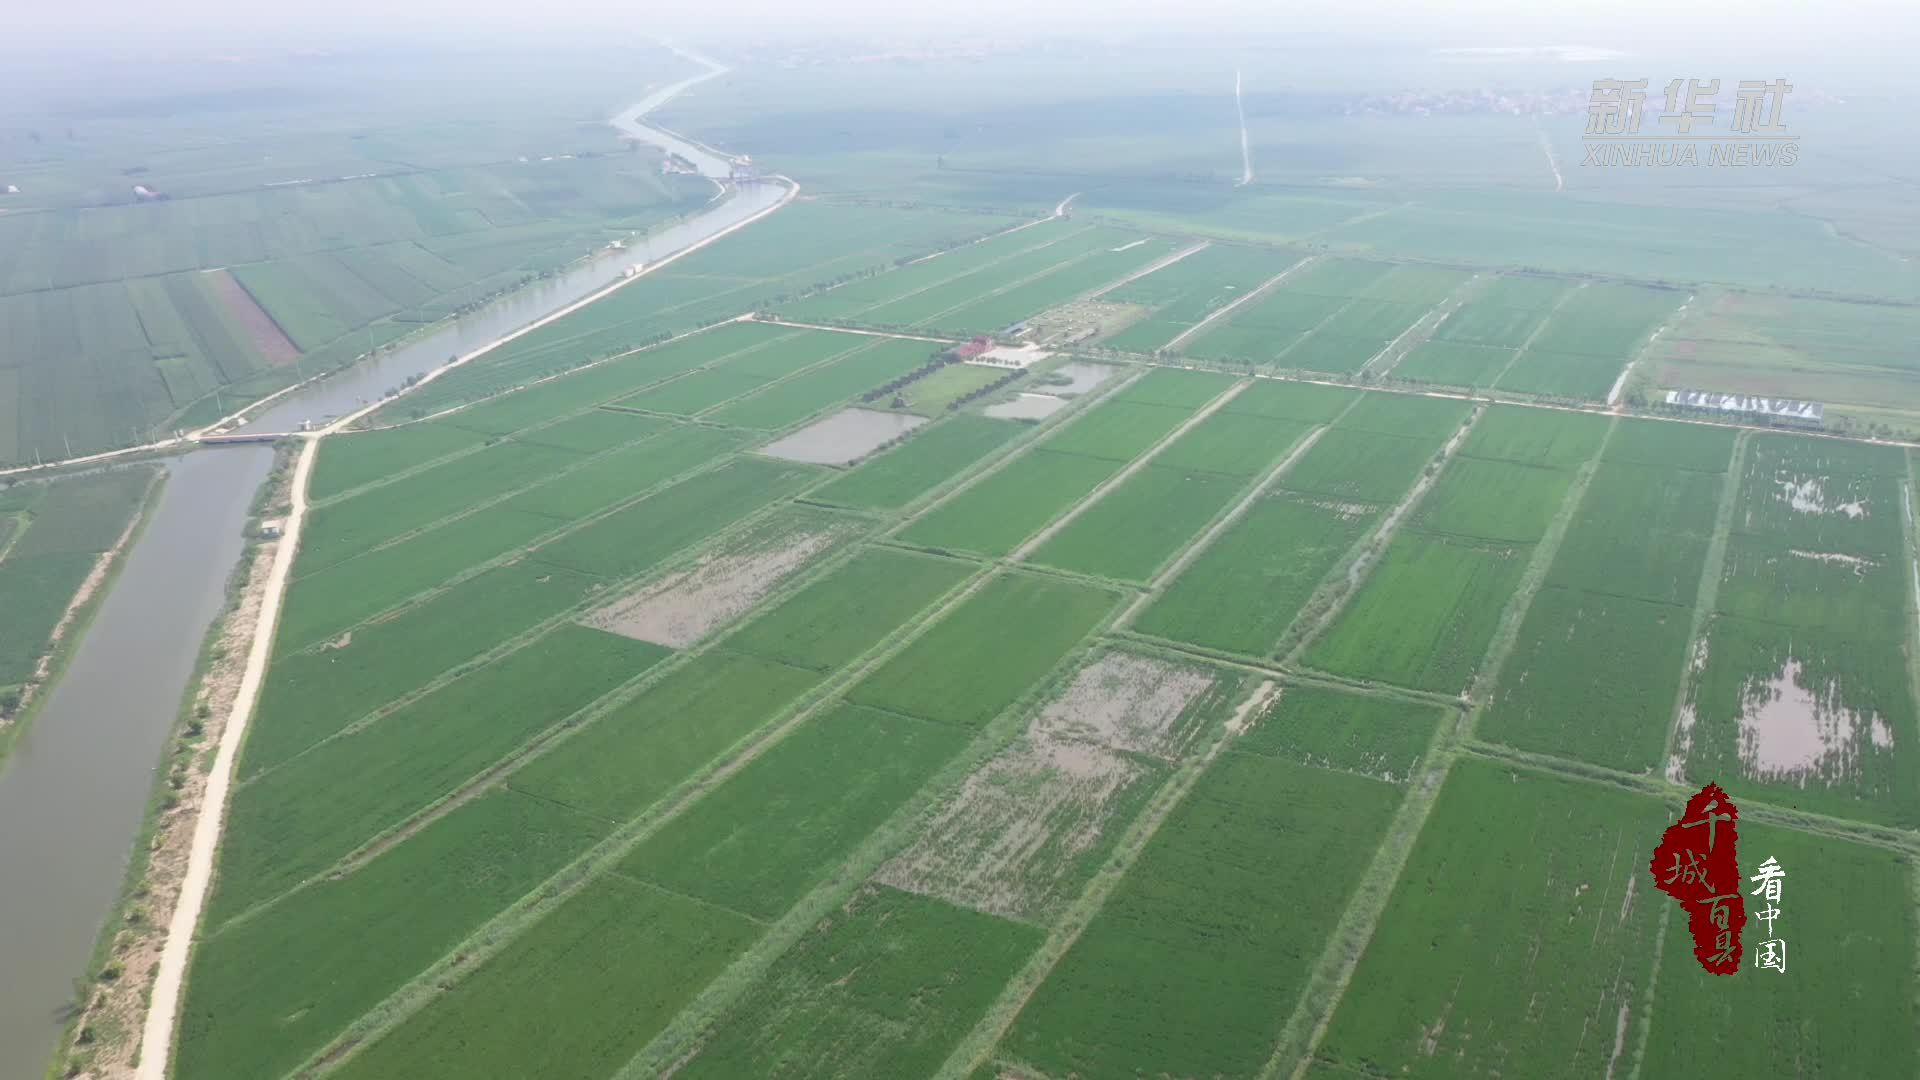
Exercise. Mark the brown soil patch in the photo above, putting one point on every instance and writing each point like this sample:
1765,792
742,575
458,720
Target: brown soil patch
1129,703
1079,377
276,349
1014,841
1010,842
683,608
110,1025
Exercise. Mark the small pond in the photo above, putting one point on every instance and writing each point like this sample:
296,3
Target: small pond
847,435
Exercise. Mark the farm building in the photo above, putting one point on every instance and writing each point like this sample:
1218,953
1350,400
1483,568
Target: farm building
1778,410
973,348
1011,356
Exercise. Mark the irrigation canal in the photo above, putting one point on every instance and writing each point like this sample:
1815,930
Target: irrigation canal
74,789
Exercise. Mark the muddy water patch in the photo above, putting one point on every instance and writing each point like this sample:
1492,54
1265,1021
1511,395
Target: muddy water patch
1076,377
1027,407
1790,730
682,609
842,438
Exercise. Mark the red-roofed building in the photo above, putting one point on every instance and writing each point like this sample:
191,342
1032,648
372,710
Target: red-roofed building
973,348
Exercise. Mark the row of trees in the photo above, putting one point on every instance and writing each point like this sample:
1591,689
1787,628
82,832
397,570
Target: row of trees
993,387
939,360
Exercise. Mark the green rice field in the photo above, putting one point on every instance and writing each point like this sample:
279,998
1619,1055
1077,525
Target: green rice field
1242,592
1153,984
1137,526
1332,316
201,305
1272,707
1585,343
925,462
993,515
871,695
1181,296
1813,609
880,989
53,535
1531,929
1426,615
1840,352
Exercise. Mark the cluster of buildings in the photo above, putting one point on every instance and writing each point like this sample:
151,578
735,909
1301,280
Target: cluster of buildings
1012,356
1555,101
985,353
972,349
674,163
1783,411
1561,102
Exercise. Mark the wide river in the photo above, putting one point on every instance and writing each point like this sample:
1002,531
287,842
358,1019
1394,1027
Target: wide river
74,788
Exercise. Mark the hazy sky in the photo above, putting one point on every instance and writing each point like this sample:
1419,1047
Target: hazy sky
1751,21
1860,45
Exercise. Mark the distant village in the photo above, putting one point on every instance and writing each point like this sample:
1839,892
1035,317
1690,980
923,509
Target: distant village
1561,101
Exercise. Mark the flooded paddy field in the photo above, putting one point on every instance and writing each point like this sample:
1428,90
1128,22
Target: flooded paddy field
1079,377
843,438
1026,407
1800,681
